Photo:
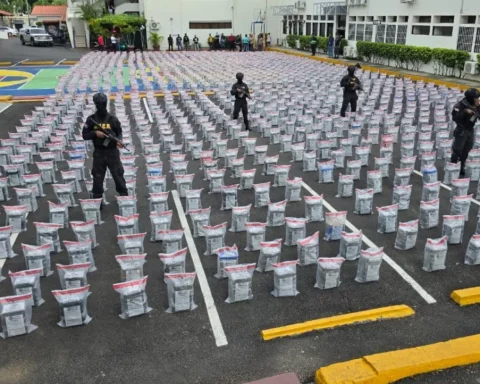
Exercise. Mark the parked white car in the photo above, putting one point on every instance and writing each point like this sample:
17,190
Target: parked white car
35,36
10,31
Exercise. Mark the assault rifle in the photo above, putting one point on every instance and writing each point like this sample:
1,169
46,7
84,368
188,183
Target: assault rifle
110,135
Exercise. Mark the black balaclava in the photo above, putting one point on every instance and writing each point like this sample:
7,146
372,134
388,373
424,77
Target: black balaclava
351,70
100,100
240,77
471,94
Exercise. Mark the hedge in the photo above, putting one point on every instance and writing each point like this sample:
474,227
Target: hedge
478,61
305,42
446,62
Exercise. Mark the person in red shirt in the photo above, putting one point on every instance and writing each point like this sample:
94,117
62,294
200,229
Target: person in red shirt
101,43
231,42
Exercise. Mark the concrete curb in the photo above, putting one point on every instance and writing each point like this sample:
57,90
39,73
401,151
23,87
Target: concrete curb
392,312
5,99
5,63
391,72
37,63
466,296
69,62
391,366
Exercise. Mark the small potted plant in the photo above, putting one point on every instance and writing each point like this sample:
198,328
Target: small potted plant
156,40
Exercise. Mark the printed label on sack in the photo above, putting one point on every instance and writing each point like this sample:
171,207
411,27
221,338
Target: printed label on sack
58,218
331,279
135,305
242,290
182,300
15,325
72,315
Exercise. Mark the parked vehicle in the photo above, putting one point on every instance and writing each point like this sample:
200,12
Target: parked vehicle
10,31
35,36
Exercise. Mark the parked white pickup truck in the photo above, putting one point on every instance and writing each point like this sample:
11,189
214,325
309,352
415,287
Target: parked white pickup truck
35,36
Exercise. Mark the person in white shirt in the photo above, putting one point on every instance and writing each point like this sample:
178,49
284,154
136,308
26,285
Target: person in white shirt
269,40
113,40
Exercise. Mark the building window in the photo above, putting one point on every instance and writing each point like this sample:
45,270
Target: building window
391,33
323,17
309,29
351,31
322,29
402,34
315,29
300,28
421,30
442,31
329,29
285,23
290,17
468,19
368,32
380,37
360,32
465,38
424,19
330,17
476,48
447,19
315,17
309,17
403,19
210,25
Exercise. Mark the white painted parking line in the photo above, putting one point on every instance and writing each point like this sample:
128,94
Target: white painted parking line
20,62
148,110
217,327
446,187
404,275
60,62
4,106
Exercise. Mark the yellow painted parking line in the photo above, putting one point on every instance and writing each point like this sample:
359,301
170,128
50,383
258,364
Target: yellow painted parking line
69,62
5,99
5,63
37,63
391,72
466,296
392,312
391,366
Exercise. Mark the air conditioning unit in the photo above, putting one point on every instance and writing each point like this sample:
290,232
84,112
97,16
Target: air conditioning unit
301,4
350,52
407,1
361,2
154,26
470,68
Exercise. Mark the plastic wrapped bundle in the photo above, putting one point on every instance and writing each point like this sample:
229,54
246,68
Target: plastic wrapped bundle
4,195
85,231
72,305
431,191
325,172
308,250
64,193
159,222
374,134
435,254
127,225
47,233
428,159
240,216
250,145
14,174
214,237
324,148
80,253
227,256
293,189
459,187
239,282
362,154
311,142
295,230
472,170
314,208
269,164
262,194
453,228
345,186
270,253
193,199
79,167
47,170
184,183
70,177
297,151
338,157
229,196
335,225
216,178
363,201
16,316
133,298
346,145
238,165
429,213
58,214
285,279
255,235
91,210
25,196
309,161
280,175
350,245
354,168
180,292
328,273
131,266
260,153
178,169
387,218
472,256
174,262
131,186
368,269
158,202
374,181
451,172
408,162
286,143
276,214
127,205
28,282
407,235
407,149
73,275
401,196
6,251
402,177
246,178
131,244
157,184
461,206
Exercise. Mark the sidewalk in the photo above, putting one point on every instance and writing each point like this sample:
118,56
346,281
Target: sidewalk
451,82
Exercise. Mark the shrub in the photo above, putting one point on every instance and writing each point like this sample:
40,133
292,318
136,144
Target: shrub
291,40
449,62
478,61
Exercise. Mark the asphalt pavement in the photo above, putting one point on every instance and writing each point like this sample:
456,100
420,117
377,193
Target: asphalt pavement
180,348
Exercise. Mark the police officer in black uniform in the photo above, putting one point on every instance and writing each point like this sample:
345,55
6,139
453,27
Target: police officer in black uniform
106,153
465,114
241,92
350,84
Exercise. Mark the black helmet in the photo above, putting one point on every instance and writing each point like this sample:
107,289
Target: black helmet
99,99
351,70
239,76
471,94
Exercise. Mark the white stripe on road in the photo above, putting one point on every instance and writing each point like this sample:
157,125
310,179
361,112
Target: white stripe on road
148,110
60,62
4,106
217,327
20,62
445,186
405,276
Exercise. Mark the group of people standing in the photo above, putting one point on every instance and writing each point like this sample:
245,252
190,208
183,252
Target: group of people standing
246,43
333,45
183,43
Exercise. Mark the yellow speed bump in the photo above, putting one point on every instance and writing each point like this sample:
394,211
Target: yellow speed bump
392,312
466,296
391,366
